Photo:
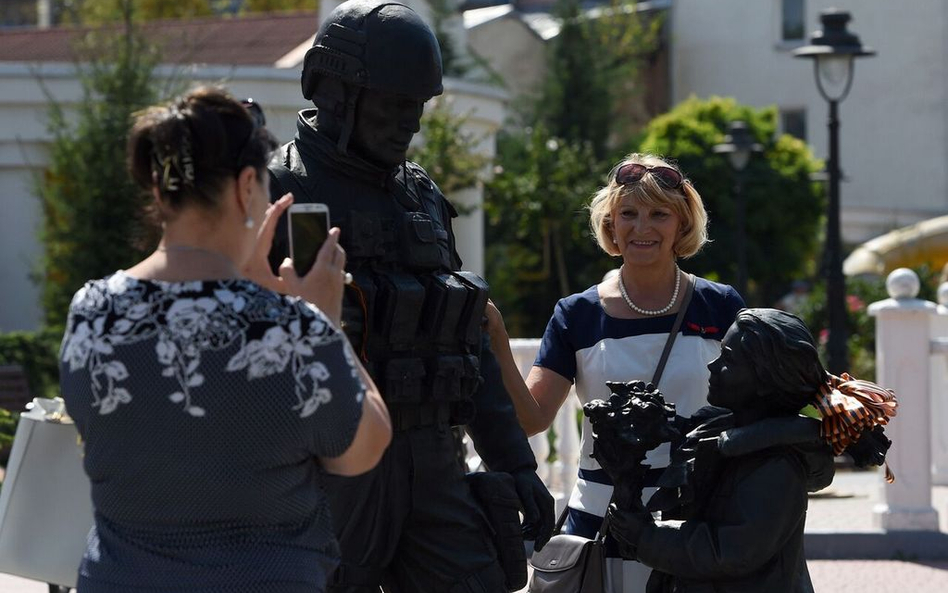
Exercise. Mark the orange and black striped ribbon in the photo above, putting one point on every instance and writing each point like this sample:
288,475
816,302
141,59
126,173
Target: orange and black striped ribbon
850,407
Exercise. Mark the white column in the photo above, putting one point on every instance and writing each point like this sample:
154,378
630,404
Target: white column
903,348
939,394
44,14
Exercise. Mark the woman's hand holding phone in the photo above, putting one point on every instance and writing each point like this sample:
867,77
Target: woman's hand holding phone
322,285
257,267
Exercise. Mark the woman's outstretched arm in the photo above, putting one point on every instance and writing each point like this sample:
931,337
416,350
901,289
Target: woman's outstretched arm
539,398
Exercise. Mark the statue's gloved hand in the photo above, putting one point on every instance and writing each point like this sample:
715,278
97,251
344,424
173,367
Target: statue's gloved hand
538,507
626,527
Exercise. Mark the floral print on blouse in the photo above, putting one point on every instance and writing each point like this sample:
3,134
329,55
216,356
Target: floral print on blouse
204,408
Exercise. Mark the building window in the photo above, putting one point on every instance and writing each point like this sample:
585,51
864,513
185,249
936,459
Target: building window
16,13
793,122
793,25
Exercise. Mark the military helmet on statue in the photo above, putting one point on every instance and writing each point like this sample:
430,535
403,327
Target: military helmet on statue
375,45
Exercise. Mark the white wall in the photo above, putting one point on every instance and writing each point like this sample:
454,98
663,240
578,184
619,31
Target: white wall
893,134
514,51
23,156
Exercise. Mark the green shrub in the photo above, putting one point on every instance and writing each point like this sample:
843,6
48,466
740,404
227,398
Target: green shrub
8,422
37,353
784,207
92,211
860,327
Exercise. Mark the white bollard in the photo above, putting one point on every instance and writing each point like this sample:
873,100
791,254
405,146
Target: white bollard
903,349
939,389
524,351
566,467
561,476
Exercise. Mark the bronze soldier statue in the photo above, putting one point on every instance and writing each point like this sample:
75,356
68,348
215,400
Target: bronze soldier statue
413,524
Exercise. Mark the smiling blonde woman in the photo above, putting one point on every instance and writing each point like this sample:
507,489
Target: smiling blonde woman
649,216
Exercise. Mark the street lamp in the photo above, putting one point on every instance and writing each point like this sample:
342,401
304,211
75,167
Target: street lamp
833,51
738,145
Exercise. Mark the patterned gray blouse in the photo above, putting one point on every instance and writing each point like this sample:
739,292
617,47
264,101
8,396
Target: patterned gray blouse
203,407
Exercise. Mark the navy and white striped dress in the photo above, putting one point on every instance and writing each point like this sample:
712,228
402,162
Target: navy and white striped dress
585,345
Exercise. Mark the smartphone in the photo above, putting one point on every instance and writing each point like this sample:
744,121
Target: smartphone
308,228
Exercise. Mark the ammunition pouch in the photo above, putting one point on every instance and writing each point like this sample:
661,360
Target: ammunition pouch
400,305
369,236
408,417
404,381
440,379
419,243
418,324
469,330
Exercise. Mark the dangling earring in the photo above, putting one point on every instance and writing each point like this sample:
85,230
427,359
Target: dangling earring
248,223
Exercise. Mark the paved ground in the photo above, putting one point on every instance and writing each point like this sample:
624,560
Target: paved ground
846,506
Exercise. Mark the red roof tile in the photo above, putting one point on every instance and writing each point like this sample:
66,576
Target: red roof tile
246,41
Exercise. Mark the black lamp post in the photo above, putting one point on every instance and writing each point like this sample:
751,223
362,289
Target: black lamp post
833,51
738,145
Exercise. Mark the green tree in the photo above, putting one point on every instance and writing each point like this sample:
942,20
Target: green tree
539,245
784,206
91,209
448,153
251,6
593,67
99,12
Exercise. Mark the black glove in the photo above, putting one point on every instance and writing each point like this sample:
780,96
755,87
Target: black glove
538,507
626,527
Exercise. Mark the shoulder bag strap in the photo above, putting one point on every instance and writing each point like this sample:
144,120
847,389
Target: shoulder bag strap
562,520
685,301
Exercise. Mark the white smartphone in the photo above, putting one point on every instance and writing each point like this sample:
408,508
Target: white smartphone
308,228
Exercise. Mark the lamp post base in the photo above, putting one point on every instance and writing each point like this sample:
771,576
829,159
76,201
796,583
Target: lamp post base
892,518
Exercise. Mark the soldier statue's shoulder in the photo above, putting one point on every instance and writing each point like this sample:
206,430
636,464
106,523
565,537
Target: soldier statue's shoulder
421,176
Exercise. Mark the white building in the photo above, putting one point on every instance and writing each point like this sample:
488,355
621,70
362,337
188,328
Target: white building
894,124
257,57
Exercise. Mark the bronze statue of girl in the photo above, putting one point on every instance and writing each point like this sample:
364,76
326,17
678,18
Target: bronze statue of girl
741,476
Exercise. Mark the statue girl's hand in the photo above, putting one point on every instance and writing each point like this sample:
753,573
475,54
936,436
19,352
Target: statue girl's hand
626,527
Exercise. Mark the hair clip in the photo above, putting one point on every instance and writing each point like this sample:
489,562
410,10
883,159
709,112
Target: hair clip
184,160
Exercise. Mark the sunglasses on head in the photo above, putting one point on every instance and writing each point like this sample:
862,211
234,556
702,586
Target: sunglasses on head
666,177
256,112
259,121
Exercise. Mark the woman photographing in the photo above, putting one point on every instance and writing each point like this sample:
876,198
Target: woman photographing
210,405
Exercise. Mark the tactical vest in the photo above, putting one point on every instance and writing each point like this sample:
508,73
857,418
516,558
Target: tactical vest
414,319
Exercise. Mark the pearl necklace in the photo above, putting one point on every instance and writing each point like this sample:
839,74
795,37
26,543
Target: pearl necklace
637,309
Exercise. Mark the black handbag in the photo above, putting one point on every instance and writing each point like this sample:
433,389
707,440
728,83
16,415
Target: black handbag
575,564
